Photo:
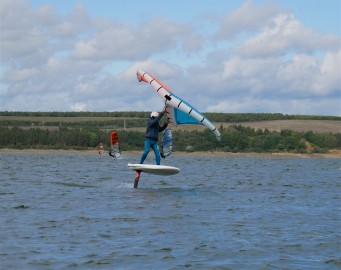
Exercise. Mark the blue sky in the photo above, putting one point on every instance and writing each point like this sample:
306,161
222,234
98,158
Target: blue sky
221,56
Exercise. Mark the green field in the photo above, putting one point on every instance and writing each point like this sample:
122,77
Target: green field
240,132
296,123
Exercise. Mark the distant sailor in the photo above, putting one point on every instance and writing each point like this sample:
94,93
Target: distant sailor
112,155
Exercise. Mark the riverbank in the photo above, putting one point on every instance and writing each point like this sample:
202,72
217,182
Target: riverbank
330,154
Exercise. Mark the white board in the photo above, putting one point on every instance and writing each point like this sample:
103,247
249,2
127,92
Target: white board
154,169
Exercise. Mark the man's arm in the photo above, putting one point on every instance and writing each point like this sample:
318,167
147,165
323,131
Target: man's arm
163,127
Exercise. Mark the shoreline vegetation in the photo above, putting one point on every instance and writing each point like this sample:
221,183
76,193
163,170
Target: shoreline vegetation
335,153
249,134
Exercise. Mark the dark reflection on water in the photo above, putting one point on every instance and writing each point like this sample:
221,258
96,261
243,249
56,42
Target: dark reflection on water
81,212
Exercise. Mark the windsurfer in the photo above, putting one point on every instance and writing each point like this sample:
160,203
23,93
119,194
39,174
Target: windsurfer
151,139
152,135
113,156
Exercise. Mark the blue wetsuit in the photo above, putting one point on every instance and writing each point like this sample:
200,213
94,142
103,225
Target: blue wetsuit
151,139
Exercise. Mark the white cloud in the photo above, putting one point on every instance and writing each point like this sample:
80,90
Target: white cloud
22,74
283,34
285,60
78,107
253,74
76,23
79,62
119,41
287,106
329,80
248,17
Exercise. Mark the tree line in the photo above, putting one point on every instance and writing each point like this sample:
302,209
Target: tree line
113,123
235,138
215,117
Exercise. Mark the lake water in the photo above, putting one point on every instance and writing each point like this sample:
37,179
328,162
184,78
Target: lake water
81,212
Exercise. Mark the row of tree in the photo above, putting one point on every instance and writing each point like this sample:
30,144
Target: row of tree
103,123
215,117
234,139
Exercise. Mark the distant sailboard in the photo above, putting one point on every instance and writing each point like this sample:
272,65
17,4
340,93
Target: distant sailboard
115,151
167,143
178,110
154,169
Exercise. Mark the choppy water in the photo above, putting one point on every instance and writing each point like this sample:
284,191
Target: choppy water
81,212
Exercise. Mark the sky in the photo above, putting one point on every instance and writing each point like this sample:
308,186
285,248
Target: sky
253,56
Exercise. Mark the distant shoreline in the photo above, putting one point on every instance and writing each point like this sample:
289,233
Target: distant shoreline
331,154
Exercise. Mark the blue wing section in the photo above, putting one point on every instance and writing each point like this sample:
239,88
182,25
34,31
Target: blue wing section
167,143
182,118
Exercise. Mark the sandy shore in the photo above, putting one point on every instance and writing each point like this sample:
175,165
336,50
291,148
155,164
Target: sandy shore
331,154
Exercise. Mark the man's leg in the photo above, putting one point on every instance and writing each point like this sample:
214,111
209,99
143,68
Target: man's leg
157,153
146,151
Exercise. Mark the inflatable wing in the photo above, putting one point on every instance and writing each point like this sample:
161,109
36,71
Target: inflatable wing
178,111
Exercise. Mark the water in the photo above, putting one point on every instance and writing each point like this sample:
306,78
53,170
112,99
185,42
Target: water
81,212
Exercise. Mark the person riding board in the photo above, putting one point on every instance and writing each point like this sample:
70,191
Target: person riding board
112,155
151,139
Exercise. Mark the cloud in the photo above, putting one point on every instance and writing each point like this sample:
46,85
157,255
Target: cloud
287,106
22,74
30,36
300,75
74,24
78,107
311,75
247,18
283,34
329,80
269,62
284,60
119,41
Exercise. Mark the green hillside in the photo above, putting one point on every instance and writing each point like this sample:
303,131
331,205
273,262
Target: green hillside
84,130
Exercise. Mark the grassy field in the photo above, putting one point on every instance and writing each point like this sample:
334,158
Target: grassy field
296,125
276,125
47,119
